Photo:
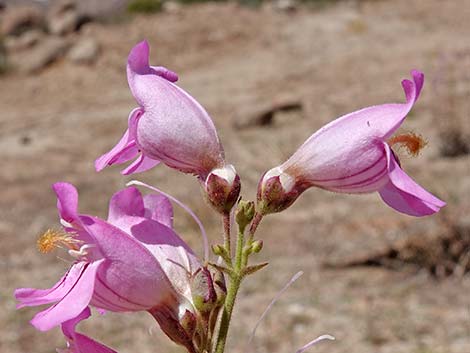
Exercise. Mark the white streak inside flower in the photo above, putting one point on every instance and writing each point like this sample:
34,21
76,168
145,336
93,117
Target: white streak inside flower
77,254
286,180
276,171
65,224
227,173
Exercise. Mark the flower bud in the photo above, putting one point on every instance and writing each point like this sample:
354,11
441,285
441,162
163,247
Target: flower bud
202,290
257,246
178,328
220,287
245,213
189,323
277,190
218,249
222,187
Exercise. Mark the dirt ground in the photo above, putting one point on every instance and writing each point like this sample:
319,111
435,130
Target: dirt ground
236,61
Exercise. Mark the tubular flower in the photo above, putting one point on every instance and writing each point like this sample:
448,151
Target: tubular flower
79,343
353,154
172,127
168,126
134,261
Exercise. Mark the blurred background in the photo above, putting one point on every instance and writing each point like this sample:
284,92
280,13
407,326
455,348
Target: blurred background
270,73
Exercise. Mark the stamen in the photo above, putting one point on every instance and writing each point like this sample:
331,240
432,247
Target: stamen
413,143
54,238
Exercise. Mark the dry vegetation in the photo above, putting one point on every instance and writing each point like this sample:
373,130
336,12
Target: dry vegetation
237,61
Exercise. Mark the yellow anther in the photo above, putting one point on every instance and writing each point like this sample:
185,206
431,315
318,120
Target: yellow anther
53,238
413,143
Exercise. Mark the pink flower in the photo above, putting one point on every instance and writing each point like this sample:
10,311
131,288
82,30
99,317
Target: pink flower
168,126
352,154
133,261
79,343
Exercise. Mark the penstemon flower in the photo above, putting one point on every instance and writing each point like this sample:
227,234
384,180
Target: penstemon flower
160,126
353,154
134,261
172,127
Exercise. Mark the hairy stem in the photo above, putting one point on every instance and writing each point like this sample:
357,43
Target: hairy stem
227,240
227,313
236,276
235,281
254,226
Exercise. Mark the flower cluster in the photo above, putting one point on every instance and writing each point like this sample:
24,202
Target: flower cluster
135,261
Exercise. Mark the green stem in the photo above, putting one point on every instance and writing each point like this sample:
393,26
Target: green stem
227,313
236,277
235,281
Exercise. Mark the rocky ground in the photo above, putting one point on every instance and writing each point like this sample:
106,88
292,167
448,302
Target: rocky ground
381,282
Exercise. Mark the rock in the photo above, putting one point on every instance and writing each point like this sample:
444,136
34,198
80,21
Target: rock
18,19
24,41
103,9
38,57
85,51
285,5
64,17
172,6
60,7
64,24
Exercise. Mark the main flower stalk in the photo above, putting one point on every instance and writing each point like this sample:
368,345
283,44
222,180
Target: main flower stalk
237,268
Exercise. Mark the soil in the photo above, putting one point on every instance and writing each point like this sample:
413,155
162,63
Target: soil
237,61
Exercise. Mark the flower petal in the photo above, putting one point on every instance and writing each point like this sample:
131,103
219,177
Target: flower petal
126,202
68,327
131,278
174,255
125,149
74,301
33,297
138,60
165,73
159,208
67,201
79,343
405,195
141,164
84,344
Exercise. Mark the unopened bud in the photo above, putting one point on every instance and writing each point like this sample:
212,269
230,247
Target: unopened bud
245,213
189,323
218,250
222,187
179,330
202,290
277,190
257,246
220,287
